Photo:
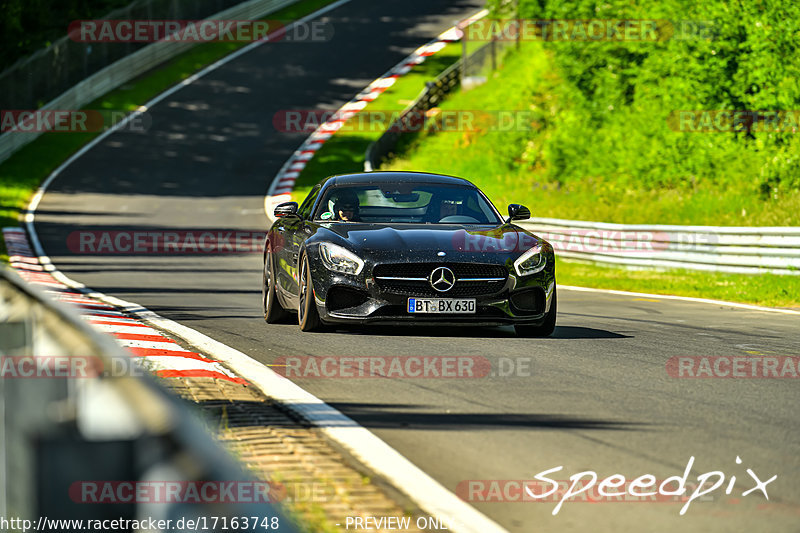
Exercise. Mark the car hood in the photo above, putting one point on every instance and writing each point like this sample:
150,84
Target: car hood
423,242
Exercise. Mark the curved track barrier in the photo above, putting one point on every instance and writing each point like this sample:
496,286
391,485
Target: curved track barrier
747,250
87,434
56,80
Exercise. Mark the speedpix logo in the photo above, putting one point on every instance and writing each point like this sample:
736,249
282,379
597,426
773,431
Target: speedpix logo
585,486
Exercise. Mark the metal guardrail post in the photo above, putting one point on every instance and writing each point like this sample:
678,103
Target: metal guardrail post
464,52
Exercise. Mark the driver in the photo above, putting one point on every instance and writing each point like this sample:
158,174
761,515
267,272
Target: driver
346,206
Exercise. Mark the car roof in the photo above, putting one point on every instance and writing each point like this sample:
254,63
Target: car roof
374,178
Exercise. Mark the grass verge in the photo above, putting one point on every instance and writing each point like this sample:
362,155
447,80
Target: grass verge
515,164
529,81
22,173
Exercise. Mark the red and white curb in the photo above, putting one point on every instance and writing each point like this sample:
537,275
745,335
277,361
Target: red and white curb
153,351
282,185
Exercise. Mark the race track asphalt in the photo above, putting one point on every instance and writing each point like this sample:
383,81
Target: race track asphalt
597,396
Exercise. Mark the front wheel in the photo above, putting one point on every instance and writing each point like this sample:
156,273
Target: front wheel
273,310
307,314
546,328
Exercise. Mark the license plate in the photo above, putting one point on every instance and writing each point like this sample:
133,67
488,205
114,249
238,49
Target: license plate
441,305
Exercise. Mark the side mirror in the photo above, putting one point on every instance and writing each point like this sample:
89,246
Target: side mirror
286,209
518,212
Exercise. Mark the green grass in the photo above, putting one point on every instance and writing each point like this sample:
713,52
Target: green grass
344,152
769,290
515,166
22,173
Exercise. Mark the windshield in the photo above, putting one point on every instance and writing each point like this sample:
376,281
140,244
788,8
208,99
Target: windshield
406,203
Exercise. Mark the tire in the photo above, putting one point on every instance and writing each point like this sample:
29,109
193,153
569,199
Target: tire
546,328
273,310
307,314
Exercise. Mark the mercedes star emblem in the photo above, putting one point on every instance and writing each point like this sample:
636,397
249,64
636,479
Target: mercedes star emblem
442,279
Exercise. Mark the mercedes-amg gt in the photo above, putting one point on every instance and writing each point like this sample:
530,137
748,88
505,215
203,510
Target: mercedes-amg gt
406,248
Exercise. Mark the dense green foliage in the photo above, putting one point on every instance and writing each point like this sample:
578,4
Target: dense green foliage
28,25
605,123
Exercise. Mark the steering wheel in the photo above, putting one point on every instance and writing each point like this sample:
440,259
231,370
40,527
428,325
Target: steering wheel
458,219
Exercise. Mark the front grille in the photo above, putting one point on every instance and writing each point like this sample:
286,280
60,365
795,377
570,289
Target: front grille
462,289
419,270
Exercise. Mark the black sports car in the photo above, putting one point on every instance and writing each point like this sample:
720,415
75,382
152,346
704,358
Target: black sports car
410,248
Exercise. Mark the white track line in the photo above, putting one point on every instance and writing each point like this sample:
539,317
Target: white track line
685,299
419,487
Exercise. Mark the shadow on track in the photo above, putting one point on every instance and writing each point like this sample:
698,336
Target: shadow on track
579,332
561,332
387,416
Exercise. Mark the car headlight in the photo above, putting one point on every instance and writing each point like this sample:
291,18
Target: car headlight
530,262
339,259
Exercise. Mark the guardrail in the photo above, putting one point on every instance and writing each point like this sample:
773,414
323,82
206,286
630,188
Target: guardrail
747,250
82,412
129,67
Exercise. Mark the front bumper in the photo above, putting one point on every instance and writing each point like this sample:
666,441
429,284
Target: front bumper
359,299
